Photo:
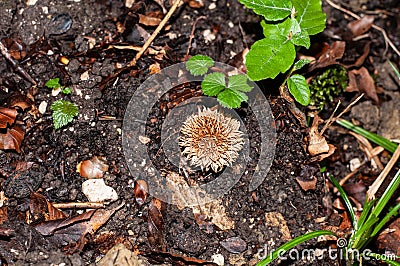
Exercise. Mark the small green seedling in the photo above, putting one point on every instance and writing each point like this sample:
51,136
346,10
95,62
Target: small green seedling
55,84
229,90
63,112
287,25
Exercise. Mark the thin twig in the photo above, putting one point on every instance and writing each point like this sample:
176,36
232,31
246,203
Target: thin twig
14,63
387,39
155,33
379,180
192,35
79,205
347,177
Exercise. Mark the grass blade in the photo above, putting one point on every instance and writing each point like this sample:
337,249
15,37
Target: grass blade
393,212
368,204
394,184
346,202
381,141
291,244
396,71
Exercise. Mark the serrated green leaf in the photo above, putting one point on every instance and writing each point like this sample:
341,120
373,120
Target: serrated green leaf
231,99
298,87
66,90
199,64
301,63
239,83
302,39
273,55
213,84
53,83
63,113
309,15
271,9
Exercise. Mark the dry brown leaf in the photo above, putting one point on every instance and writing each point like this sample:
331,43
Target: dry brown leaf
307,184
317,144
276,219
148,20
7,116
362,58
12,138
15,47
155,224
361,26
93,168
330,56
74,229
140,190
361,81
3,214
40,207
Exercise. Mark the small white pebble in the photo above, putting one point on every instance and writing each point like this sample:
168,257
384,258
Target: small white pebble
144,139
45,9
212,6
218,259
71,129
208,35
87,97
229,41
31,2
85,75
86,117
230,24
119,131
42,107
93,124
354,164
55,92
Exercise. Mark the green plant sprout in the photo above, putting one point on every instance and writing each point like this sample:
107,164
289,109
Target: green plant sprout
368,225
229,90
63,112
287,25
55,84
327,85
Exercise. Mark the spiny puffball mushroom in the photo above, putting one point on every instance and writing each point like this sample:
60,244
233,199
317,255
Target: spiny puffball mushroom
211,139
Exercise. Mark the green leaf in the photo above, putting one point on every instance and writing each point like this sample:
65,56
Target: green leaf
302,39
298,87
381,141
53,83
291,244
213,84
347,202
199,64
63,113
66,90
309,15
239,83
301,63
395,70
231,99
270,9
273,55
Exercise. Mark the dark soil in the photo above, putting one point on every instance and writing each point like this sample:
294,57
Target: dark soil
97,132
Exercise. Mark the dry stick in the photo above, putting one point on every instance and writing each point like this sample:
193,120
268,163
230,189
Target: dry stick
192,35
387,40
155,33
379,180
368,149
79,205
14,63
